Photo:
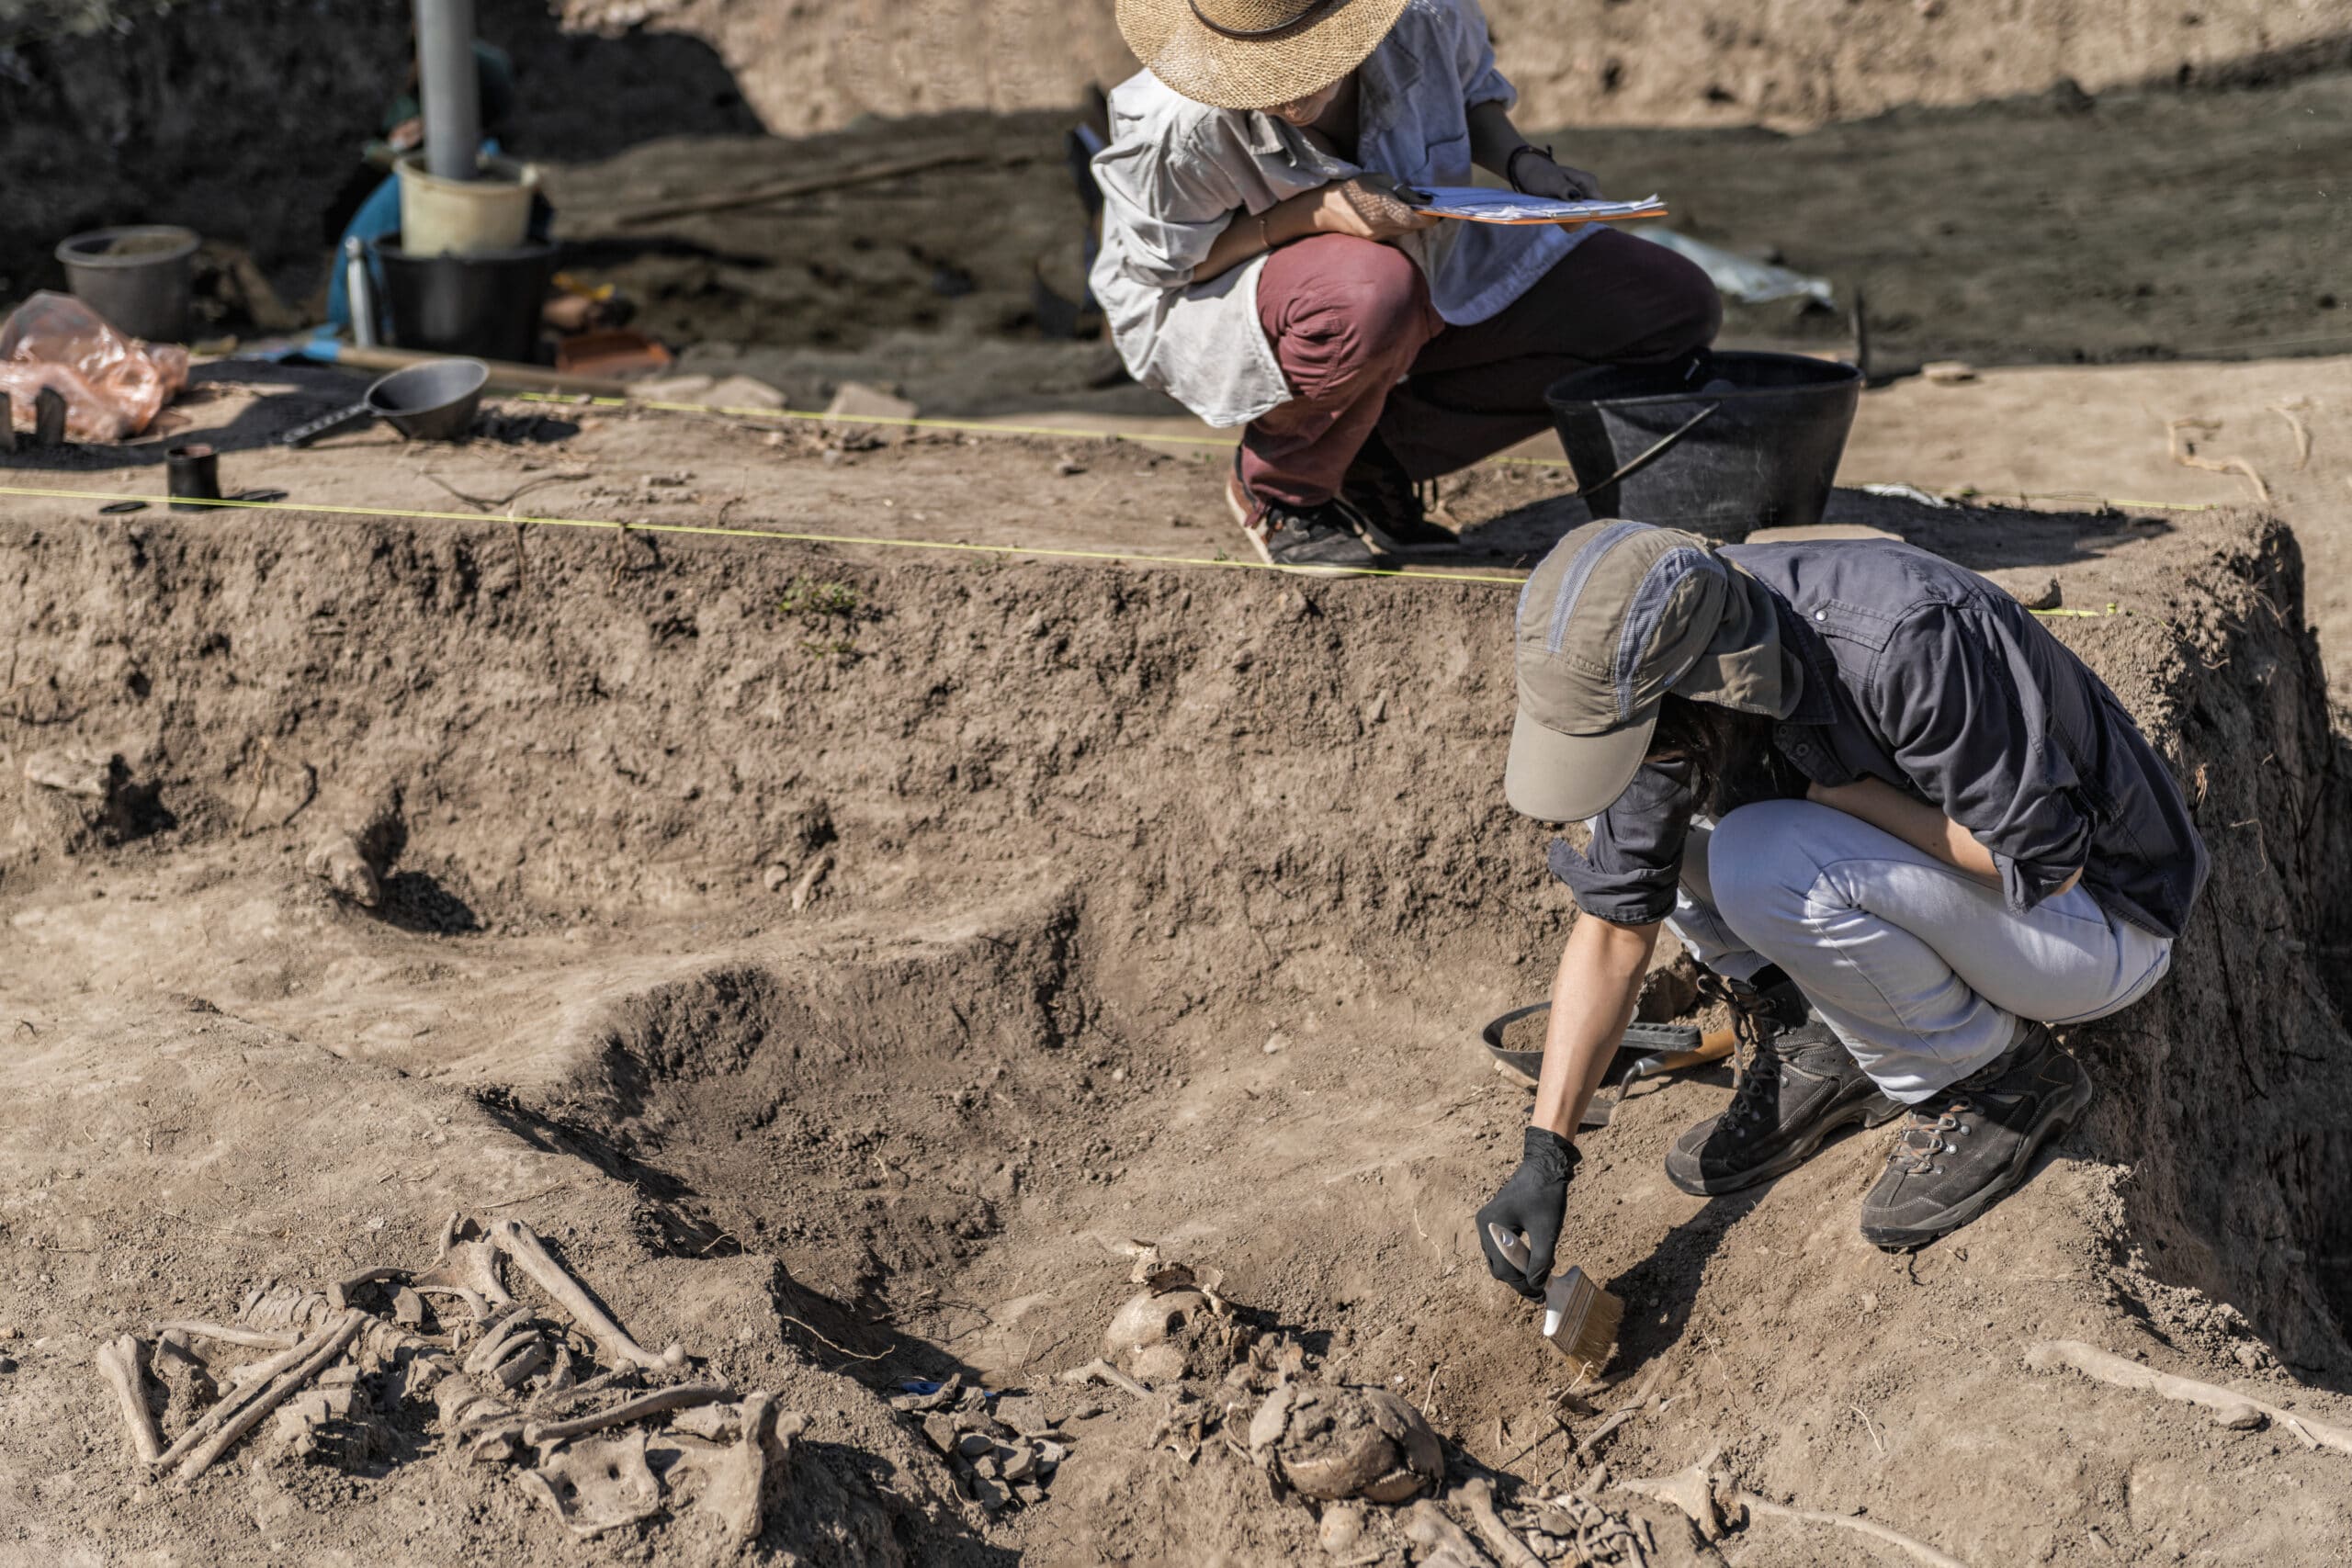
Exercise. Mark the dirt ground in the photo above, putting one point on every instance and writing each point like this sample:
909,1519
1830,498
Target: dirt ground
850,889
2023,231
845,954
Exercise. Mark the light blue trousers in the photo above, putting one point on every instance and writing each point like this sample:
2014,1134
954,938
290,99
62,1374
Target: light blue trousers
1919,969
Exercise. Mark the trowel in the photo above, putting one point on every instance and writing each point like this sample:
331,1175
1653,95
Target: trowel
1664,1047
1712,1047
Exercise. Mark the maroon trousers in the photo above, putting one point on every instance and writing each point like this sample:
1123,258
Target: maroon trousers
1365,350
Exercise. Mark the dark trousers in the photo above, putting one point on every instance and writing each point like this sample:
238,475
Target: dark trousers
1364,350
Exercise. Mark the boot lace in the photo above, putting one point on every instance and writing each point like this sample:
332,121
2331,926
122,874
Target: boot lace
1925,1135
1756,1077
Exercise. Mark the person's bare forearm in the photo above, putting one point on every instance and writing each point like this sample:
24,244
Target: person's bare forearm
1493,138
1919,824
1592,1001
1250,235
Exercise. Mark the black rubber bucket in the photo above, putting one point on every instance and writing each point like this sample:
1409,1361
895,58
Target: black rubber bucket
485,305
1720,444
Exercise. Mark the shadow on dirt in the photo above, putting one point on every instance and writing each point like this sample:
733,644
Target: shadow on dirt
1980,537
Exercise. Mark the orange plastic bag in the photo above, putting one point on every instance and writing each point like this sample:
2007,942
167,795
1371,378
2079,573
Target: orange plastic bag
114,386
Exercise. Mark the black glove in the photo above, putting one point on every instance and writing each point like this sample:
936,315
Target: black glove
1531,1204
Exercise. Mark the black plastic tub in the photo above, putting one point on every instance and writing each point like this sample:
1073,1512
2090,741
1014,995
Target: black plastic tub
1721,445
485,306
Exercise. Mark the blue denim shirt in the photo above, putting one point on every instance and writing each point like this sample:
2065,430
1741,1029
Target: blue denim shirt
1927,676
1177,172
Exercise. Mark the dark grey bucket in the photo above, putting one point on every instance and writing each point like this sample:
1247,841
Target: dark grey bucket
138,278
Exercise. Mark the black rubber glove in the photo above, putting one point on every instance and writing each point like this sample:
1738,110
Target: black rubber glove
1531,1204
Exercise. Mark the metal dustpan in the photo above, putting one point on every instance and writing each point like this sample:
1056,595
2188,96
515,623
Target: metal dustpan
1656,1048
433,401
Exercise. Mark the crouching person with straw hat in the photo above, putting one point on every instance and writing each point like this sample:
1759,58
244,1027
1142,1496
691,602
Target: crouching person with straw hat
1263,261
1935,832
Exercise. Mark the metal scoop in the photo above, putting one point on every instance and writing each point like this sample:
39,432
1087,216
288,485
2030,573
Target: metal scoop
434,401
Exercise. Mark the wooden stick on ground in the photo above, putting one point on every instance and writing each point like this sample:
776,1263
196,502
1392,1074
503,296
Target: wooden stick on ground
2103,1367
784,190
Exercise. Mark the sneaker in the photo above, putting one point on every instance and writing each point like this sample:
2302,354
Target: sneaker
1965,1147
1305,538
1386,497
1800,1085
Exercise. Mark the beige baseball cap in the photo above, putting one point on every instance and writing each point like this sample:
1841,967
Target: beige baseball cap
1617,615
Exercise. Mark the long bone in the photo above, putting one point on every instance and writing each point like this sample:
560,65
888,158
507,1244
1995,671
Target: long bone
484,1422
279,1376
522,1244
119,1362
539,1434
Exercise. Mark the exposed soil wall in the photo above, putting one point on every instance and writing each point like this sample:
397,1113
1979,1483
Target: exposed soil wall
1251,786
819,63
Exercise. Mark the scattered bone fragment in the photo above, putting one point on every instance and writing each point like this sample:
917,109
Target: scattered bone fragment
1692,1490
1149,1317
408,1307
120,1363
1104,1371
337,860
1341,1528
1443,1541
519,1242
1712,1503
339,1293
712,1423
1509,1549
539,1434
738,1484
2228,1406
596,1486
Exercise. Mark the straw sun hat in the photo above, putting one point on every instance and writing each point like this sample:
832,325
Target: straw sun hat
1254,54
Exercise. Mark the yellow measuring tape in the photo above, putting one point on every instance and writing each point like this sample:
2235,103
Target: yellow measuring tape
1121,558
776,533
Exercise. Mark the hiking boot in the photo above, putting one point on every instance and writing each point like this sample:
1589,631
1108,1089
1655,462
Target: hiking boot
1800,1085
1324,538
1386,497
1960,1150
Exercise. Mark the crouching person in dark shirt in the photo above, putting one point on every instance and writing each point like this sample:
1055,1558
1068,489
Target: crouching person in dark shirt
1899,822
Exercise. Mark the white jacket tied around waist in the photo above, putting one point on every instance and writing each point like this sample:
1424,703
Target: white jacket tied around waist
1176,172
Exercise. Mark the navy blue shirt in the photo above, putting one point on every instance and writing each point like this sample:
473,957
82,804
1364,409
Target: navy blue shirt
1927,676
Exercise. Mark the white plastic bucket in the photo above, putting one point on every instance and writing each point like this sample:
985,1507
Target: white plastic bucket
466,217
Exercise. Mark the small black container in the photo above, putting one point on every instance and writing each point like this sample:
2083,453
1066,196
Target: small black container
192,476
485,306
1720,444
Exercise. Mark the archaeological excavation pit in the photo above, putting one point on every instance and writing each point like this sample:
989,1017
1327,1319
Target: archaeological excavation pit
880,1024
